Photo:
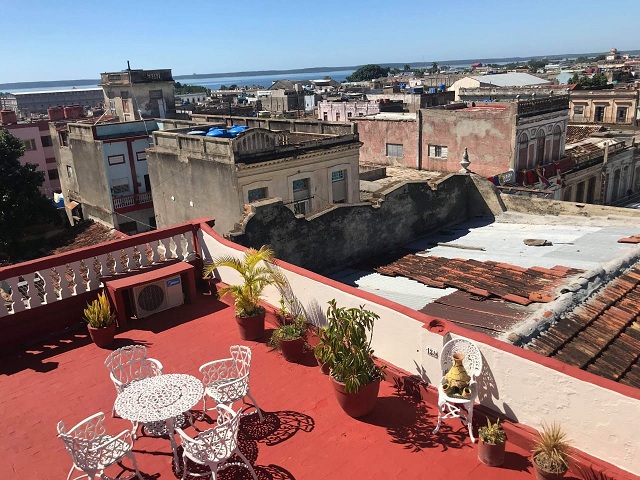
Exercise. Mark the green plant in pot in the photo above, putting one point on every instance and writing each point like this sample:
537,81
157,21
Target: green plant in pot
492,443
100,321
257,271
345,345
290,339
322,350
551,453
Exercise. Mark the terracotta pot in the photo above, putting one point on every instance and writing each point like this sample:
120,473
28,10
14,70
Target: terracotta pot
492,455
292,350
251,328
542,474
102,337
357,404
324,367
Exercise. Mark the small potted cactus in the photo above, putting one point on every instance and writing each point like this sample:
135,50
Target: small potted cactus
492,444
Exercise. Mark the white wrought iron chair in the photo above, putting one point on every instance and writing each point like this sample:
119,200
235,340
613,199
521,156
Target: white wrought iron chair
130,363
215,446
92,451
227,380
472,363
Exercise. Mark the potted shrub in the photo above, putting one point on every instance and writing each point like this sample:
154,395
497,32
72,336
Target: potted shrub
492,443
290,339
346,346
254,268
550,453
322,351
100,321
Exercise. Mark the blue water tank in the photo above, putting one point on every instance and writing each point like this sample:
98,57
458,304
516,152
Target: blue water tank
236,129
432,90
218,132
442,87
196,132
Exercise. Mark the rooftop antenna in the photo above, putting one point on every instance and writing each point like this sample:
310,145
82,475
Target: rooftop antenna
128,66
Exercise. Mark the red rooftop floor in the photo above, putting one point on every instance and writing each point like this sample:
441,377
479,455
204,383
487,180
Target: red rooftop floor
305,434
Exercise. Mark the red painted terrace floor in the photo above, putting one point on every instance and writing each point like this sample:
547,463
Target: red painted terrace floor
305,434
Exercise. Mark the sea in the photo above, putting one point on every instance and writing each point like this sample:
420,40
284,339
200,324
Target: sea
214,83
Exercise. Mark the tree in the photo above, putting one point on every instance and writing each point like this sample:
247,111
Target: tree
394,71
223,87
407,67
21,202
598,80
434,68
368,72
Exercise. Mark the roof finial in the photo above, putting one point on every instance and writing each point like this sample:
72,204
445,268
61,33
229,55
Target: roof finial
465,162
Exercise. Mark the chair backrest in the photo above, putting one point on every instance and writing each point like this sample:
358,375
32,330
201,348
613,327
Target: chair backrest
130,363
215,444
472,361
241,355
81,441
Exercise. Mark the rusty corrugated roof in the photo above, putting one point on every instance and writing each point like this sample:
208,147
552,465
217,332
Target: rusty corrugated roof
601,336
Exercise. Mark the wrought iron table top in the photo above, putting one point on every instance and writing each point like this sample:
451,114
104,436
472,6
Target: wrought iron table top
158,398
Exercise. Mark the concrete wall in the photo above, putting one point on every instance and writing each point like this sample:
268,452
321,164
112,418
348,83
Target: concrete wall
375,134
596,413
488,133
278,124
345,234
611,100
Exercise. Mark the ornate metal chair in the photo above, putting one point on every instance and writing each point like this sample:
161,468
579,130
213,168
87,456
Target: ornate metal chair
472,363
227,380
214,447
130,363
92,451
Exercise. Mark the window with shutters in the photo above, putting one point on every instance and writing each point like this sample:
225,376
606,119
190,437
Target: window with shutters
438,151
394,150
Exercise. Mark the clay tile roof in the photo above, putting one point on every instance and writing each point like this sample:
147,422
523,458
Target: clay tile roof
575,133
601,336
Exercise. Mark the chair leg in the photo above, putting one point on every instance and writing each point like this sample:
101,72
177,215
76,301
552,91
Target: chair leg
255,404
184,466
470,422
441,404
247,464
135,464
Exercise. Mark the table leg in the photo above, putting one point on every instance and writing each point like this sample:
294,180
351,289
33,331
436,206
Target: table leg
174,446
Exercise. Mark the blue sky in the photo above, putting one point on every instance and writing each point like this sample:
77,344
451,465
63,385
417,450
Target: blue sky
59,40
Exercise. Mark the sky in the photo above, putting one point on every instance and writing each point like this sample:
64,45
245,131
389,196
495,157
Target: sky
73,39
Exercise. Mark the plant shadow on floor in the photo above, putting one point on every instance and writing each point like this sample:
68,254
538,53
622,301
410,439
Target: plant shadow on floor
409,423
276,427
515,461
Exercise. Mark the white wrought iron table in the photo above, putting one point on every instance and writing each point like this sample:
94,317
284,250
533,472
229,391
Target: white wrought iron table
160,399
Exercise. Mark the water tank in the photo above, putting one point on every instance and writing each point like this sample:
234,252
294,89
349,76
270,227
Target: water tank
8,116
55,113
70,112
218,132
196,132
236,129
442,87
432,90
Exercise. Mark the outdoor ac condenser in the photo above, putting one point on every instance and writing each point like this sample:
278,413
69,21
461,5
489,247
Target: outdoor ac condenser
158,296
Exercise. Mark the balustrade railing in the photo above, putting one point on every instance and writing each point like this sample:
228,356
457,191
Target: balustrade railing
40,282
130,200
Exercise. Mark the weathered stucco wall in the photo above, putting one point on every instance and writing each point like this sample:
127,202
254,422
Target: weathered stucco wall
488,134
347,233
376,134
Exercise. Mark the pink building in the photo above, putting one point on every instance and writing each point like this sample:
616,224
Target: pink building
38,148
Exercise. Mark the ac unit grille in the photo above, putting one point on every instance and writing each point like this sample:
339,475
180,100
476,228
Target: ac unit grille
150,298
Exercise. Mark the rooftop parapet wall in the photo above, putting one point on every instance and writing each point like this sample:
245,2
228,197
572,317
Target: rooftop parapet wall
136,76
538,106
276,124
522,385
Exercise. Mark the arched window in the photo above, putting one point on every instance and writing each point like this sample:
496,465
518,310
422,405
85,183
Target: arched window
540,141
523,145
557,139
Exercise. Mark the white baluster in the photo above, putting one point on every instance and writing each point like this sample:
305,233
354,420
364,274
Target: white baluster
122,264
162,250
50,294
65,292
154,254
131,264
34,292
94,281
177,241
16,296
77,278
188,247
172,249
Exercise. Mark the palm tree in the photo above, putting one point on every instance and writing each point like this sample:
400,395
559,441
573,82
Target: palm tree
255,277
434,67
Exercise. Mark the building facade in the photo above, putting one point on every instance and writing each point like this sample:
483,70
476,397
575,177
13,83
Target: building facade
612,106
310,165
138,94
38,145
28,104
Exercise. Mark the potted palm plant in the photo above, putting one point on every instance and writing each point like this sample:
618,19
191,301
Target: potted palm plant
289,338
550,453
257,271
100,321
346,347
492,444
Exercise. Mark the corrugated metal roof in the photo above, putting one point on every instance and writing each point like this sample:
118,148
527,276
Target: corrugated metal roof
510,79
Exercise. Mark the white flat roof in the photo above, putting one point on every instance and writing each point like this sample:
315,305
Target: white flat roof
67,90
512,79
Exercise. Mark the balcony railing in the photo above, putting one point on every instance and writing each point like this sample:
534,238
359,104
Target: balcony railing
543,105
43,281
130,200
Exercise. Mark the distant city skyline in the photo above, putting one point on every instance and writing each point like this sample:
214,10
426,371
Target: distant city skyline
78,40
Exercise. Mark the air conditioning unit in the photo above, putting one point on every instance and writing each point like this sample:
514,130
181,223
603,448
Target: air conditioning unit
157,296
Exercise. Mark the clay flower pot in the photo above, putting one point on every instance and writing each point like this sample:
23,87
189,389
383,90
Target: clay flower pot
102,337
292,350
491,455
357,404
542,474
251,328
